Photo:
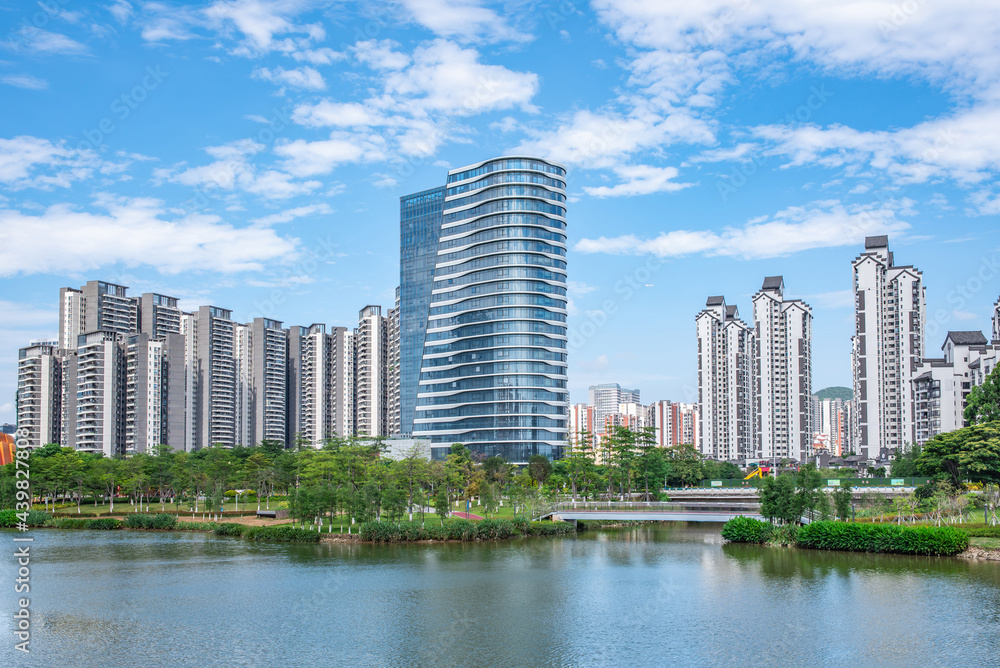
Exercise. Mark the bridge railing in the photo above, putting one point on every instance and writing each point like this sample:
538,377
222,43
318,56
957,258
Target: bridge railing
655,506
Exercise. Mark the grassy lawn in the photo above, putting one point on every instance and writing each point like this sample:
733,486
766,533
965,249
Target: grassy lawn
986,543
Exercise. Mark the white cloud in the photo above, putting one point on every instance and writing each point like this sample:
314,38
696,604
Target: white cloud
321,56
233,170
447,78
47,42
305,158
260,22
25,81
466,20
640,180
303,77
16,315
822,224
32,162
598,140
291,214
337,114
121,10
380,55
132,232
876,36
964,147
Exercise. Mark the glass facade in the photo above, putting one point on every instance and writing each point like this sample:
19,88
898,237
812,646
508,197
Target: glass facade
419,228
485,266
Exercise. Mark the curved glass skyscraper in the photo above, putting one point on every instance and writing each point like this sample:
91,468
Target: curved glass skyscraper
492,313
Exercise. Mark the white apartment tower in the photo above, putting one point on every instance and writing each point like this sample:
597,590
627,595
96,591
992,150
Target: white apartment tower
370,373
100,398
269,381
393,371
39,393
887,347
605,399
783,379
725,382
159,315
214,369
154,392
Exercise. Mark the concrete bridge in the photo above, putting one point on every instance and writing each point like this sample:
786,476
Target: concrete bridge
651,511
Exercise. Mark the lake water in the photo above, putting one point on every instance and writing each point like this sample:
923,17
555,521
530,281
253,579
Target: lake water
626,597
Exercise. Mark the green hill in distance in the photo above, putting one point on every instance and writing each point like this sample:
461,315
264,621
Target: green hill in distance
844,393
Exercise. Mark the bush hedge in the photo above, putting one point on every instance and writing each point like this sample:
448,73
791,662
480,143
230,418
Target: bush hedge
230,529
108,523
747,530
889,538
69,523
281,534
460,529
158,521
35,518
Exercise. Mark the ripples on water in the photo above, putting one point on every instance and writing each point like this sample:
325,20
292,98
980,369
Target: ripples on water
627,597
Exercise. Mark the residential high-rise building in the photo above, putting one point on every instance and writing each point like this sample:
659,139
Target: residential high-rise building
887,347
310,391
159,315
243,394
606,398
419,230
100,405
269,381
996,321
214,368
343,381
493,375
831,420
70,317
154,392
371,373
725,382
941,386
39,393
97,306
783,373
393,406
581,424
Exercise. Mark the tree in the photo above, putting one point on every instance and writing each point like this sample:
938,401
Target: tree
778,499
539,468
441,504
842,497
983,403
904,461
685,465
971,452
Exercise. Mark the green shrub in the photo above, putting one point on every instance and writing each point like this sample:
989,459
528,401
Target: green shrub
144,521
70,523
381,532
889,538
496,530
196,526
784,535
38,518
281,534
551,528
461,530
747,530
983,532
230,529
8,518
108,523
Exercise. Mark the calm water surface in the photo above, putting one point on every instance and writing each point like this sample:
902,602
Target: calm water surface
643,597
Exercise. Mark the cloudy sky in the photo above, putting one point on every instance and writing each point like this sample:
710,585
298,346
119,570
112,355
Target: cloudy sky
251,154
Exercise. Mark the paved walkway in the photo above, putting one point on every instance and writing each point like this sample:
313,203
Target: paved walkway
467,516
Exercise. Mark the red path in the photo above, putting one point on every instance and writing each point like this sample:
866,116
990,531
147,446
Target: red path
468,516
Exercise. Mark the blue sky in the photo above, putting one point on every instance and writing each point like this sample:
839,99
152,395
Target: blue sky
251,155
